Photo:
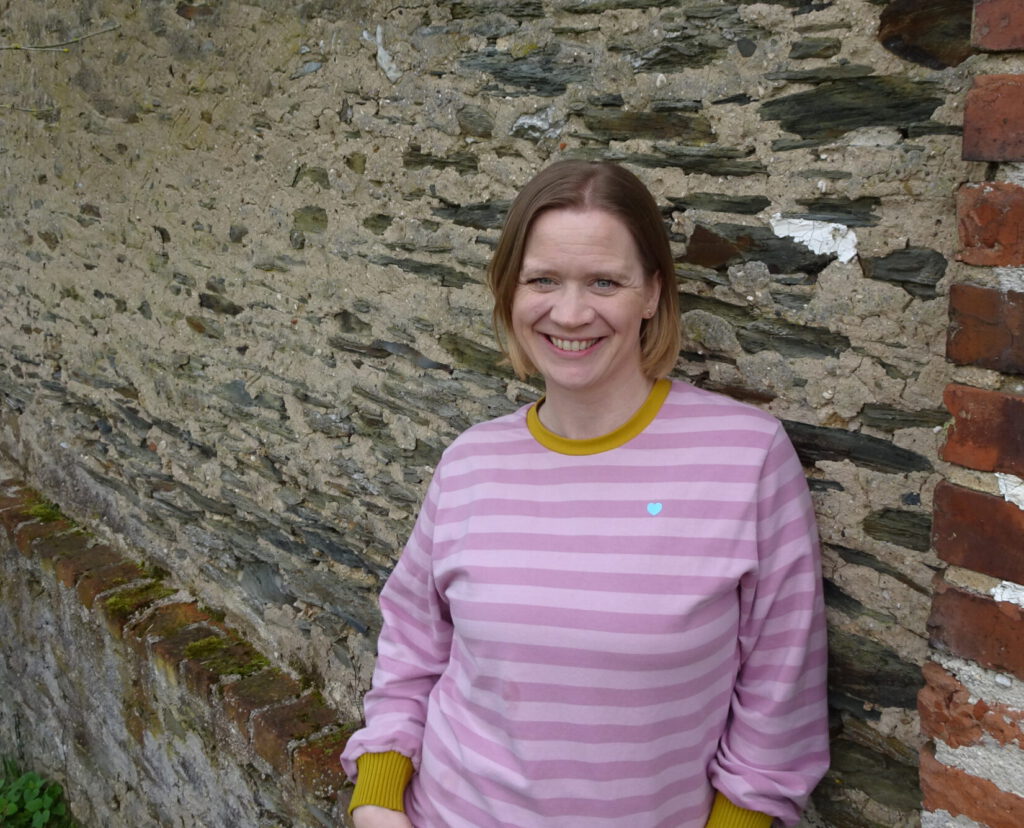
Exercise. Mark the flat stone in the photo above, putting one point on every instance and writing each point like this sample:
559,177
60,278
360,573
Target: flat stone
868,671
932,33
815,443
837,107
608,124
414,159
447,276
909,529
815,47
722,203
851,212
487,215
915,269
719,246
540,73
889,418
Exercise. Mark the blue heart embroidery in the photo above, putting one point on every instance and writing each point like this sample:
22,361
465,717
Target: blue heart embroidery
653,508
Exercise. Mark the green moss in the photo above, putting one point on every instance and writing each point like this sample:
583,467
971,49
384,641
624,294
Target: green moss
125,603
44,510
226,657
205,647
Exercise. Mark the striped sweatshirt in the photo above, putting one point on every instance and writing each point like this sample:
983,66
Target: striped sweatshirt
606,632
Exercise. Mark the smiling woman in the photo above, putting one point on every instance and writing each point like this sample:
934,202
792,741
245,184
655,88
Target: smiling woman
609,612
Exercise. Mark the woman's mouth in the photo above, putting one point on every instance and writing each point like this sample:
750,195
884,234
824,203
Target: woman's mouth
571,344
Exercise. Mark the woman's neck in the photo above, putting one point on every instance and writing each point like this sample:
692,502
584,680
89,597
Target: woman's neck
578,415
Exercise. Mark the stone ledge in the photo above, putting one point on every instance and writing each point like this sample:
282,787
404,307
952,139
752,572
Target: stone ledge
291,730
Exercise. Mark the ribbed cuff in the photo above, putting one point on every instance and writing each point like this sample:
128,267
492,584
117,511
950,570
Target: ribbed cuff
726,815
382,780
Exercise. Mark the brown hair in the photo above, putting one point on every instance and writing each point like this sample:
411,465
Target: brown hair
585,185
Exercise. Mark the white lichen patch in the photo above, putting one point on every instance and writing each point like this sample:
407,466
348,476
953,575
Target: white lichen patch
818,236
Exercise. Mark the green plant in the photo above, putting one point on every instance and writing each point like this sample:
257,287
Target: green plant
26,799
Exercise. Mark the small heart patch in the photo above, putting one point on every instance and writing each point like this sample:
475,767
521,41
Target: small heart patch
653,509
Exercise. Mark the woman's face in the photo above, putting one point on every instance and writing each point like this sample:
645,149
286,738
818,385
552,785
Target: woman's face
581,297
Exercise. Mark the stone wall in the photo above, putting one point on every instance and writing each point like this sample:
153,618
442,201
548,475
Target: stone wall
242,311
146,706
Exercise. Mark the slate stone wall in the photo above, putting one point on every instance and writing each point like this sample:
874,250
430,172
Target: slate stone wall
241,301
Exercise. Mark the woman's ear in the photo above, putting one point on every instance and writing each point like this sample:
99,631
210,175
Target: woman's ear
652,293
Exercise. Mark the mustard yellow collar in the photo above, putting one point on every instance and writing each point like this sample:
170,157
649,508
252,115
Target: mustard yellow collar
641,418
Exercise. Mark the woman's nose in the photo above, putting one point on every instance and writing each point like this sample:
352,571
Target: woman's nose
571,309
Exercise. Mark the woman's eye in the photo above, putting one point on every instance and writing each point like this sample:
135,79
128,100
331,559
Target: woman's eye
604,284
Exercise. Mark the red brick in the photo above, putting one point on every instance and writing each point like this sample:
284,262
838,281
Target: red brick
14,506
275,728
26,533
169,652
167,620
989,220
244,697
977,627
119,607
978,531
316,765
959,793
994,119
73,567
988,434
99,580
949,713
998,25
986,327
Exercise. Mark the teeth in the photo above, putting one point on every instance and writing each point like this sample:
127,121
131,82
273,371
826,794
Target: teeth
572,344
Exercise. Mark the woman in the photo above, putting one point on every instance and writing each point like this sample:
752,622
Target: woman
609,612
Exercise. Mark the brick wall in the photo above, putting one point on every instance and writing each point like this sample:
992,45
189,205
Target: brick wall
972,705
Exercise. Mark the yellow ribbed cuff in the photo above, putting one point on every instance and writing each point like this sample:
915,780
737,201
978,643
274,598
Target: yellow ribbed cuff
726,815
381,781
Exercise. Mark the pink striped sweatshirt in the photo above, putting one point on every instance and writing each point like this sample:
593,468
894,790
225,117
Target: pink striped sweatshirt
605,632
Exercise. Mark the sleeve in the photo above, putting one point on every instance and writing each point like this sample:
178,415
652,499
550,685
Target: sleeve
775,746
412,650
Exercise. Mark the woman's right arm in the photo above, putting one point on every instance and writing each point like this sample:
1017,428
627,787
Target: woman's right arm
412,651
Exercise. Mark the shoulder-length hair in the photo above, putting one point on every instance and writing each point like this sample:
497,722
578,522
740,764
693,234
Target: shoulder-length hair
585,185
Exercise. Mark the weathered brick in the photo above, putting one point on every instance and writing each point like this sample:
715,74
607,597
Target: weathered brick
987,434
167,620
119,607
979,531
27,533
994,119
961,794
998,25
170,652
71,568
14,506
986,327
951,714
977,627
275,728
316,767
99,580
989,220
244,697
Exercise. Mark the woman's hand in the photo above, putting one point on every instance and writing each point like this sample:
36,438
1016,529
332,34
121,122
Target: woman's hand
373,816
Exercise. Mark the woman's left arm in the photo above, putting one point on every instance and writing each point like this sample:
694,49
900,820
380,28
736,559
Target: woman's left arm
775,747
